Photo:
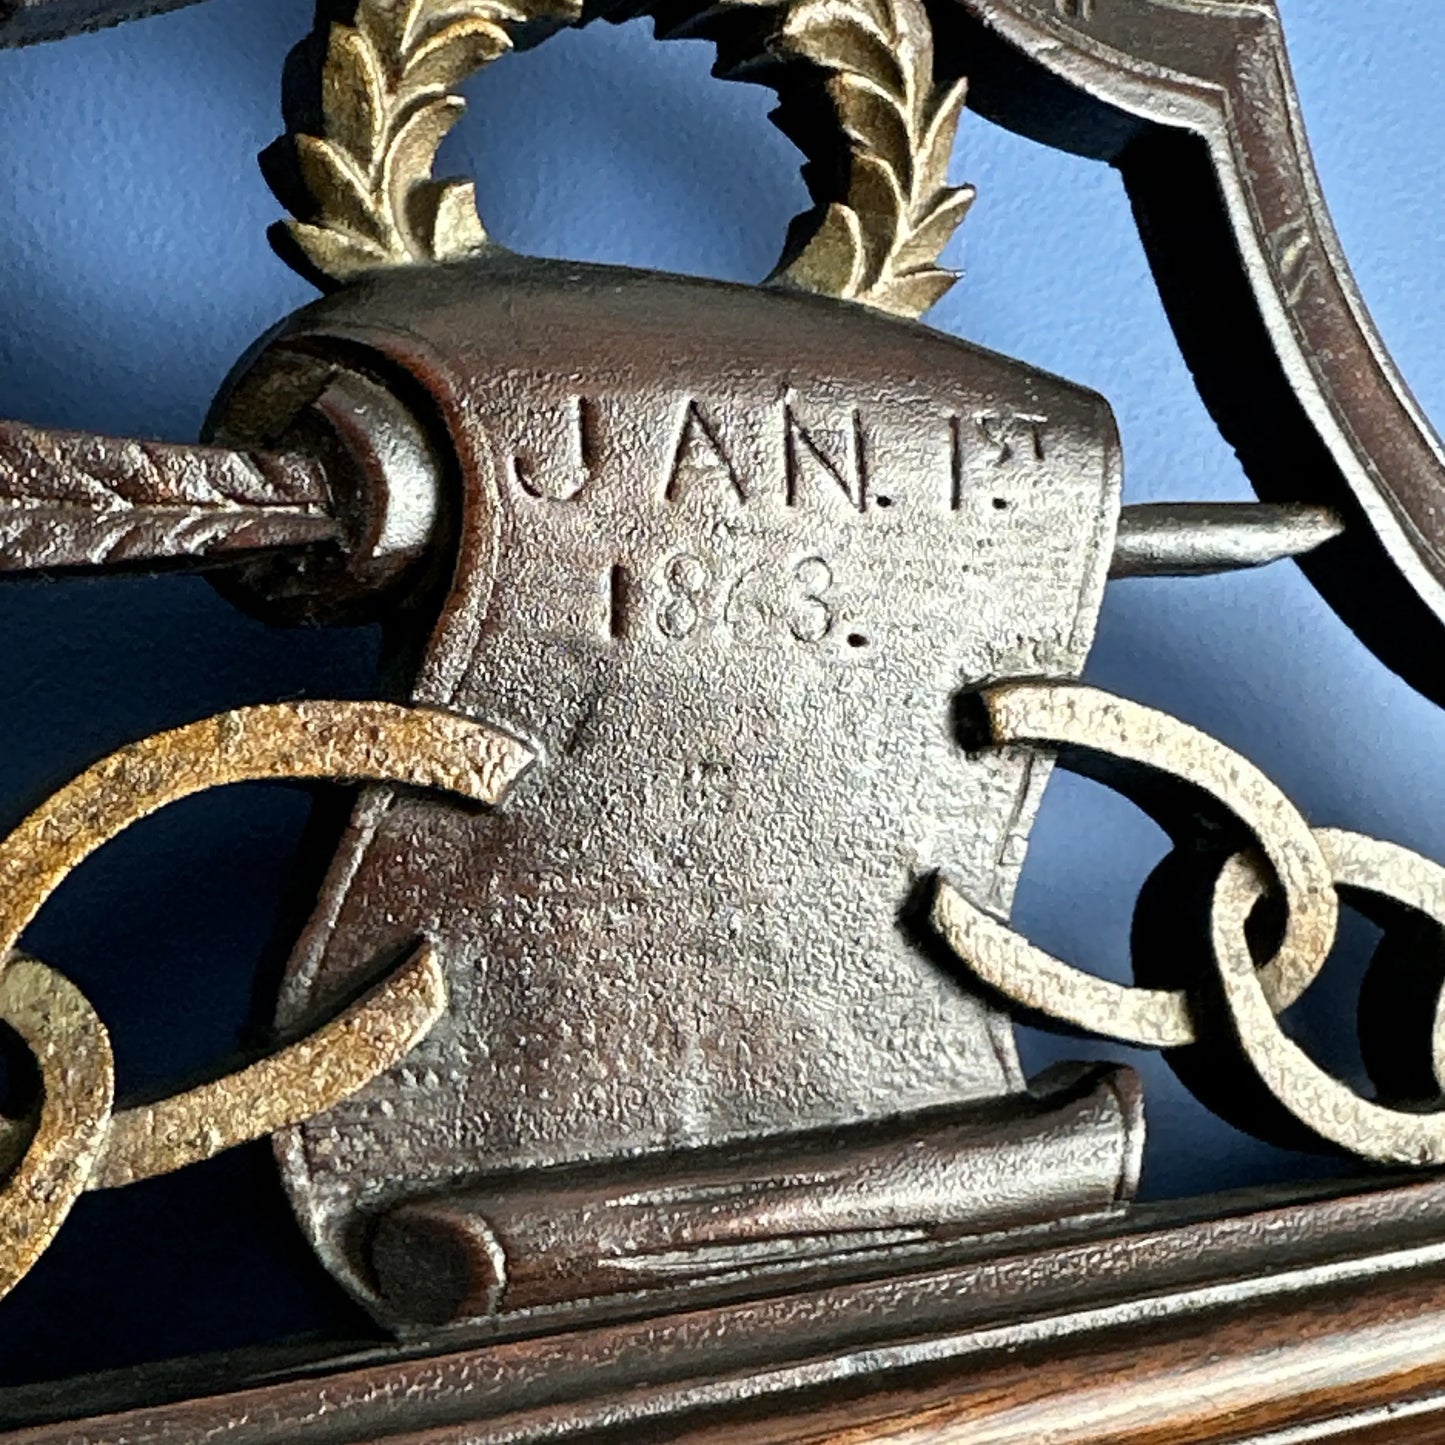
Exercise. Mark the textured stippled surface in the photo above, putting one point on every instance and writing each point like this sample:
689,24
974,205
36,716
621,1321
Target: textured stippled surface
73,500
748,548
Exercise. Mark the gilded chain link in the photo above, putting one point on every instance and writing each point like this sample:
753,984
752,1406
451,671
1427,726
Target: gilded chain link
1128,746
77,1141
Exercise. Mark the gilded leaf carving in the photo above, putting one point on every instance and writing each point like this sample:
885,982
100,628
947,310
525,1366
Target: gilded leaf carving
855,82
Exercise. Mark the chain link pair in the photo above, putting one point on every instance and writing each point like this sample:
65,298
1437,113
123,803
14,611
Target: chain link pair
78,1141
1228,1011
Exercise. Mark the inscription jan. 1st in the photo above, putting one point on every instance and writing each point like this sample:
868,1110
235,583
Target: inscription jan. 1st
721,464
833,457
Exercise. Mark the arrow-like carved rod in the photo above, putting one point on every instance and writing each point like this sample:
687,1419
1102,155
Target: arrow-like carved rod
73,500
1198,539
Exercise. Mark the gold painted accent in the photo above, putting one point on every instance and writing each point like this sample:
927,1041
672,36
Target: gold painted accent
880,240
78,1143
1304,866
389,98
355,741
285,1088
77,1076
877,166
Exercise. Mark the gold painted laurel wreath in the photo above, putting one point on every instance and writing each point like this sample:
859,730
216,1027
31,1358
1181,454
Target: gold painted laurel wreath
855,86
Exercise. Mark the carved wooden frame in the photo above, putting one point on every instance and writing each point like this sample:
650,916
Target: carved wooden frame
1233,1322
1221,1320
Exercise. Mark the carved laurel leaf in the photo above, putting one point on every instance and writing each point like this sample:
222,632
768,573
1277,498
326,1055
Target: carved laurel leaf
410,154
930,234
870,116
837,250
413,15
855,86
855,81
444,214
877,62
332,176
844,39
874,192
937,147
447,56
384,28
335,253
353,95
388,92
901,134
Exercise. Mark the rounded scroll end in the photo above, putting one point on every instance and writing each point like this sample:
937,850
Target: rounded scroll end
435,1264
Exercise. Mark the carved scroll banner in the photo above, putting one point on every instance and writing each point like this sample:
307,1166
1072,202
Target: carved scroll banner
723,573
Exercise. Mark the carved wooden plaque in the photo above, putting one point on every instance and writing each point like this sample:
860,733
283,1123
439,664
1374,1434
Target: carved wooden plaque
748,550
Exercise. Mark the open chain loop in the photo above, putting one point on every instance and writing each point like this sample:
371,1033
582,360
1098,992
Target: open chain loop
1113,739
77,1141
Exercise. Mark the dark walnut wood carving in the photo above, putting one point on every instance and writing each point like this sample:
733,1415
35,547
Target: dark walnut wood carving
693,1125
724,558
1307,1322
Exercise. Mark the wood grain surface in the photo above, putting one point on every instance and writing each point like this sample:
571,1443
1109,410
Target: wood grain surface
1310,1321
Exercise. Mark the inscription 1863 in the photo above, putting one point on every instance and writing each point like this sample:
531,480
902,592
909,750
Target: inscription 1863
784,458
796,603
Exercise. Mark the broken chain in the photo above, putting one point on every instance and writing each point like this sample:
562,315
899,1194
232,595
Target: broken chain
1135,749
76,1140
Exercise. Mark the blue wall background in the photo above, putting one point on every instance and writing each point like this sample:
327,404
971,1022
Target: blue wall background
134,269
